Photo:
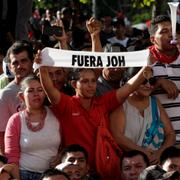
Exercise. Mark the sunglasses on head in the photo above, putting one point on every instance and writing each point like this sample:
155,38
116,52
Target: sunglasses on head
151,81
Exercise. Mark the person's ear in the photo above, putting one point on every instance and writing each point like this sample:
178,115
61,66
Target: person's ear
20,95
9,66
74,84
152,39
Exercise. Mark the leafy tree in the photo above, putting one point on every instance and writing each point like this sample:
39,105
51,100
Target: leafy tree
85,1
142,3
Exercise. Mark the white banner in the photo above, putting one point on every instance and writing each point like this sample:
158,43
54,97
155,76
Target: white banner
86,59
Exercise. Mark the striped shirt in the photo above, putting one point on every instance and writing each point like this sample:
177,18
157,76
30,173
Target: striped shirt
172,106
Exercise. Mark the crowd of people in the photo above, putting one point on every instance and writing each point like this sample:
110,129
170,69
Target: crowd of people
49,118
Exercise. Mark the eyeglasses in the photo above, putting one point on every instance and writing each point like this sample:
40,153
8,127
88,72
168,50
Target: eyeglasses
151,81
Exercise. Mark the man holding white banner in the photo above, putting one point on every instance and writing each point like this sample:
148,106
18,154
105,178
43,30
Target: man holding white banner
81,114
164,56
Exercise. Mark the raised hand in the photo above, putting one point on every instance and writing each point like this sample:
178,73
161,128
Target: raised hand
93,26
170,87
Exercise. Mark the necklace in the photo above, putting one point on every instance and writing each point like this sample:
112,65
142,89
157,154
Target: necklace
30,124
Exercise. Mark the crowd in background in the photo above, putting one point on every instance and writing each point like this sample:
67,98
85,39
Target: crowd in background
49,119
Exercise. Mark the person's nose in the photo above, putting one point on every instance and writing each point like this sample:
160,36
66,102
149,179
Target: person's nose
75,162
19,65
36,93
133,171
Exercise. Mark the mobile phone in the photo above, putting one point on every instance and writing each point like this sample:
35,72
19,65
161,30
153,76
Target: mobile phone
52,30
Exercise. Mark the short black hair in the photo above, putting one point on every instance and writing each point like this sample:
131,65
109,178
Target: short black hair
73,148
132,153
155,172
129,73
18,47
170,152
53,172
116,22
156,21
3,159
75,75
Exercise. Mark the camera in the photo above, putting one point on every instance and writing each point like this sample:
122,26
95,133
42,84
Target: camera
52,30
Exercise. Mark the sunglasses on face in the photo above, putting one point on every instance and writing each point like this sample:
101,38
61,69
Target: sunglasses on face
151,81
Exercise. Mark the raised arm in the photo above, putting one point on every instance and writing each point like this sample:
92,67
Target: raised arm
51,91
94,28
123,92
62,40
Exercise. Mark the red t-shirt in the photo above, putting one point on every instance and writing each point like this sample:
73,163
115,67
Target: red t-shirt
79,126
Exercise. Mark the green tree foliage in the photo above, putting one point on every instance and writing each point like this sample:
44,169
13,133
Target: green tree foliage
85,1
43,4
142,3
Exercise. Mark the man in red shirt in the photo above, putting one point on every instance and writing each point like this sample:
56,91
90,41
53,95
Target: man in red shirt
81,114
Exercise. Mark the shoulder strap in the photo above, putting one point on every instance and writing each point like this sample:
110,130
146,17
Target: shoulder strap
154,108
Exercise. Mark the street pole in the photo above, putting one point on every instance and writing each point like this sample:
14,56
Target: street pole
94,8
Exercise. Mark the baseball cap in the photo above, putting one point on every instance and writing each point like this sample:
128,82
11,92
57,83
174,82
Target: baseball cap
155,172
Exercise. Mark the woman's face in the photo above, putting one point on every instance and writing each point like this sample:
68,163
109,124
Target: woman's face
34,95
144,90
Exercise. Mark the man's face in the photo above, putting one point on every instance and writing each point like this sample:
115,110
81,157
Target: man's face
86,85
20,65
163,36
78,159
120,31
172,164
57,75
73,172
132,167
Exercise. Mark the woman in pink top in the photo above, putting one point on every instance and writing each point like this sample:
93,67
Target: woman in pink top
32,136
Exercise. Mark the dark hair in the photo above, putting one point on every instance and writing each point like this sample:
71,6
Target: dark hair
116,22
18,47
129,73
156,21
26,81
75,75
3,159
53,172
73,148
155,172
130,154
169,152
